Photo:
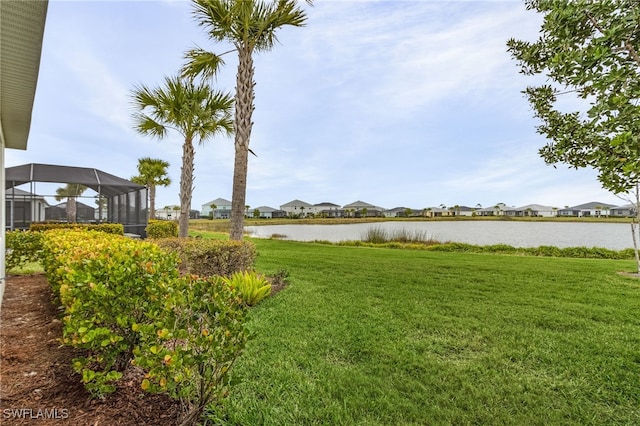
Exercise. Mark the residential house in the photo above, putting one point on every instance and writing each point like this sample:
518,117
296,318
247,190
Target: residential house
264,212
437,212
216,209
591,209
23,208
463,210
297,208
168,213
403,212
531,210
362,209
326,209
628,210
496,210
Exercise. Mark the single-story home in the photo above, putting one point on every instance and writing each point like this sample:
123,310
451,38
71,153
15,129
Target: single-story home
531,210
591,209
628,210
23,207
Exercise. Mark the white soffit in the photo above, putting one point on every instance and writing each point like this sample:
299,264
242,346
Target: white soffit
21,32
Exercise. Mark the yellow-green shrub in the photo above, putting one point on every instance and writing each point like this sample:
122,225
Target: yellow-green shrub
162,229
209,258
22,247
189,349
251,286
106,284
109,228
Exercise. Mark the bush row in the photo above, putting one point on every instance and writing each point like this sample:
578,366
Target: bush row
210,258
162,229
22,247
125,303
109,228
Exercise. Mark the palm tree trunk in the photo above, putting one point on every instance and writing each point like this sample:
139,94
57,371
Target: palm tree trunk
244,110
186,187
72,208
152,201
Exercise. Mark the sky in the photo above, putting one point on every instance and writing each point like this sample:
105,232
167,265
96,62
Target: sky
395,103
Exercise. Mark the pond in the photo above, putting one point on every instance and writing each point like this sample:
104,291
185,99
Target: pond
615,236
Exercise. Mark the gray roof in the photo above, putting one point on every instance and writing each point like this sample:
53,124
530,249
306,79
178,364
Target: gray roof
266,209
218,202
99,181
297,203
534,207
359,204
590,206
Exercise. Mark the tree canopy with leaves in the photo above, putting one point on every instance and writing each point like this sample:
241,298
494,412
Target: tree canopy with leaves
152,172
250,26
589,49
70,192
195,111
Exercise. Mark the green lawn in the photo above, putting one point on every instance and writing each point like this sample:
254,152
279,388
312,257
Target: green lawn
366,336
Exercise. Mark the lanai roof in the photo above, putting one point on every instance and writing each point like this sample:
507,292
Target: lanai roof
101,182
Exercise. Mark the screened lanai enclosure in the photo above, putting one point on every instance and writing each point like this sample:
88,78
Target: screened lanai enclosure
111,199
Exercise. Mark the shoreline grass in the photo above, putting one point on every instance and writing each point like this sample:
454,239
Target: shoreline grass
393,337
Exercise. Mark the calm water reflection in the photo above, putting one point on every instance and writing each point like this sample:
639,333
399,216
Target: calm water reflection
615,236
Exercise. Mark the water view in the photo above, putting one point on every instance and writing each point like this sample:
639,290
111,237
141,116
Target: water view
615,236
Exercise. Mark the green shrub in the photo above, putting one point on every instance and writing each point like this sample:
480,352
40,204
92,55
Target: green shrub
109,228
189,349
251,286
106,284
210,258
22,247
162,229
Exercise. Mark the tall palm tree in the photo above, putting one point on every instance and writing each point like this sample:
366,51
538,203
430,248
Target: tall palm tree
152,172
71,192
195,111
250,26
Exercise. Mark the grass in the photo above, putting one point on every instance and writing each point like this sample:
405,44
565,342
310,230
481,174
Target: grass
367,336
379,235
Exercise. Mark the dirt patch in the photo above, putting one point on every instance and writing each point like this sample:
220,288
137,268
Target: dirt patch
38,384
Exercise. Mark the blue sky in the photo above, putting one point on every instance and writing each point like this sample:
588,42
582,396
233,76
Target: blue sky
395,103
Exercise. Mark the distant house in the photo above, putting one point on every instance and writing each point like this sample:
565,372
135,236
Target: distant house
23,208
362,209
297,208
628,210
403,212
222,209
84,213
496,210
264,212
168,213
326,209
464,211
437,212
591,209
531,210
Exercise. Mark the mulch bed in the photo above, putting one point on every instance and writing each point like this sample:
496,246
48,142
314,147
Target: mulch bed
38,384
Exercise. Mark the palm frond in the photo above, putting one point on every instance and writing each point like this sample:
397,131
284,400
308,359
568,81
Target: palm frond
201,62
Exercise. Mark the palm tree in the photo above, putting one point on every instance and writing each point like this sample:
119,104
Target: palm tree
152,172
250,26
193,110
70,191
